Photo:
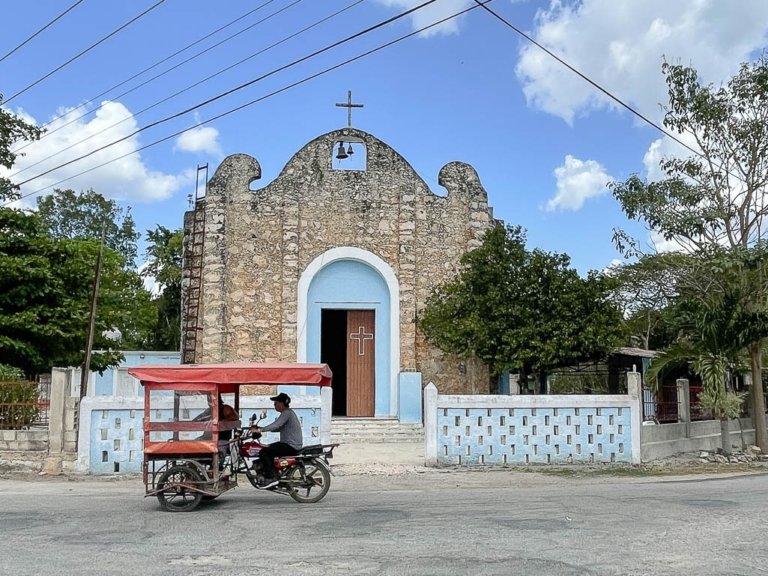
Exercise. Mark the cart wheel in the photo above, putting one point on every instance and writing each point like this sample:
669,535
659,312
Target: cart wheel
311,486
178,498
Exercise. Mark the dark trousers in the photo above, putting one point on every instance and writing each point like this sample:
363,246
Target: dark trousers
269,453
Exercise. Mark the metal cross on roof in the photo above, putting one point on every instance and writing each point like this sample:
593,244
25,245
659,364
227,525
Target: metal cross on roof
348,105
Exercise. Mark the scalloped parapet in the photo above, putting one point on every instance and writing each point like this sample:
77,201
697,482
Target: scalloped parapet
258,243
235,174
461,178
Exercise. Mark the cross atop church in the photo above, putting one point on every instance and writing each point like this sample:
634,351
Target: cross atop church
348,105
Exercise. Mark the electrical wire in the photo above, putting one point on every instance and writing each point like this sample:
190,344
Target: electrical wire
589,80
232,90
155,65
43,28
255,101
167,98
83,52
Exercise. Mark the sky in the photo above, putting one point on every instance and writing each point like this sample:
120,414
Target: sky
544,142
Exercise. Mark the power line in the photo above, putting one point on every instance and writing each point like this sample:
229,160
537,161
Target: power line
145,109
587,79
43,29
233,90
257,100
91,47
147,69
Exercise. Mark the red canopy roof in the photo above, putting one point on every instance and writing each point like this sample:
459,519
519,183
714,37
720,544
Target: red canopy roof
275,373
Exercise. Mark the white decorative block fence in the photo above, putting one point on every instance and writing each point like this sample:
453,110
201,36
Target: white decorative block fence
488,430
111,436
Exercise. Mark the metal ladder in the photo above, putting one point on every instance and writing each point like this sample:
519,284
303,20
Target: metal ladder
194,263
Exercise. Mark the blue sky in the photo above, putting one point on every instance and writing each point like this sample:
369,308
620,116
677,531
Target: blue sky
542,140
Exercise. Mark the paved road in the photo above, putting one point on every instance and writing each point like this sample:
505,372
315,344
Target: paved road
504,523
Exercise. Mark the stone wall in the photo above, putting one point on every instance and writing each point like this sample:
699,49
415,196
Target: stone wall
257,243
24,440
50,450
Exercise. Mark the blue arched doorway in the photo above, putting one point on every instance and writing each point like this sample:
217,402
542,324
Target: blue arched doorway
348,325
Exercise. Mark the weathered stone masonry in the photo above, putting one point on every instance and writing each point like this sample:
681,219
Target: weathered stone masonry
257,242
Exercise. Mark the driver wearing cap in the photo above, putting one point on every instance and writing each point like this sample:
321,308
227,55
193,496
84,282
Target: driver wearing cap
289,427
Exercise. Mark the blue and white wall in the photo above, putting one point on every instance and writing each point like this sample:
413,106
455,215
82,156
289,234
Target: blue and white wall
116,381
488,430
111,435
350,278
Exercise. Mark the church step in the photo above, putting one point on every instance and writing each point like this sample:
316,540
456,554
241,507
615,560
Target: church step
365,430
379,440
369,422
376,428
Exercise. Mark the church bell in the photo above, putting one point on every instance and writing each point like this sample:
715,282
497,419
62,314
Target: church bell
350,151
342,154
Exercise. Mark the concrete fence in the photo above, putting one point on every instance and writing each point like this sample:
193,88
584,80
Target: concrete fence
497,430
111,436
663,440
50,449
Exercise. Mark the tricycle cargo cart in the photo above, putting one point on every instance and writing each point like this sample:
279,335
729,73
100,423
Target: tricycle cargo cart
195,447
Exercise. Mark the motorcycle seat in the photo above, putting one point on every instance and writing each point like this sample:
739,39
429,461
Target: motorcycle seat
314,449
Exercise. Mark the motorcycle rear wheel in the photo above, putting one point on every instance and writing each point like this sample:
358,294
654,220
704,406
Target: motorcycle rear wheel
309,482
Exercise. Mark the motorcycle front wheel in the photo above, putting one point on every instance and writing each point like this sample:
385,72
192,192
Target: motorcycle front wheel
309,482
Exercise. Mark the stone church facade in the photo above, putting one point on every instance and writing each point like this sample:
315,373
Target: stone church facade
328,264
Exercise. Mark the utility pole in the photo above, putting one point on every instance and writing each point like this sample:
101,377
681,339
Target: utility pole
85,372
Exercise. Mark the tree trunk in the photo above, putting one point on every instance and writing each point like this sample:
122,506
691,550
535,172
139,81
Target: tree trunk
725,435
758,400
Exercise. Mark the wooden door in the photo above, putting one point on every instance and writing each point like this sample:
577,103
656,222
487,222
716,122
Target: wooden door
361,362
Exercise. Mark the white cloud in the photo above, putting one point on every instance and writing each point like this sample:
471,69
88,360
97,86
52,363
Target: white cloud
663,148
620,45
661,244
125,179
577,180
432,13
201,139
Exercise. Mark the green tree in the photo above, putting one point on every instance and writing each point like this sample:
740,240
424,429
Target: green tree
714,329
644,291
717,197
12,130
46,283
45,293
521,310
164,262
67,214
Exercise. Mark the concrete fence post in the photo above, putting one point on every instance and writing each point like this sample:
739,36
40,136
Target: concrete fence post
56,420
430,425
684,404
326,406
635,393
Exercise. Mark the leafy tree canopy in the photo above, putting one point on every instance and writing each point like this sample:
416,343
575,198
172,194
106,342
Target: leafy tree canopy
716,197
67,214
12,130
522,310
164,262
45,293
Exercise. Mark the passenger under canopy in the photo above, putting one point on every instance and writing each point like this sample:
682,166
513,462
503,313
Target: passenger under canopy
182,404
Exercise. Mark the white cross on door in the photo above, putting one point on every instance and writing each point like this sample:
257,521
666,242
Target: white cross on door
361,336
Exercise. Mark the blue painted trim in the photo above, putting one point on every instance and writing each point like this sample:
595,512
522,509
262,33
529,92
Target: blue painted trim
353,285
410,397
